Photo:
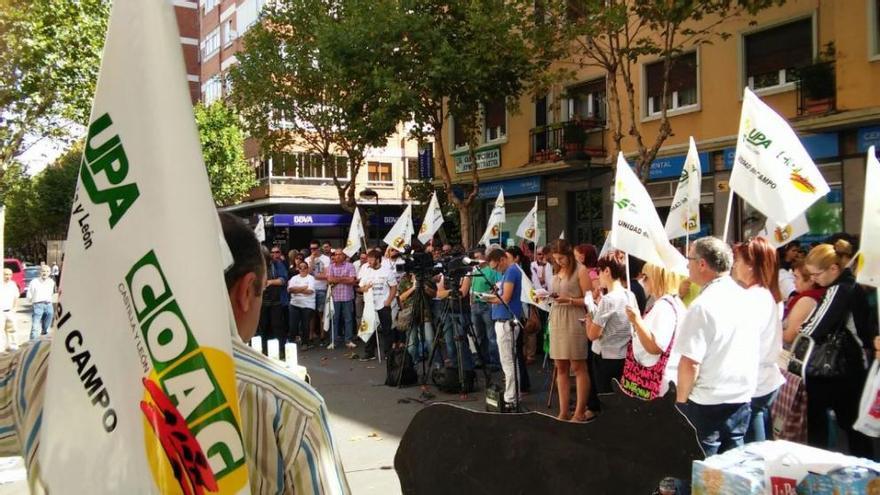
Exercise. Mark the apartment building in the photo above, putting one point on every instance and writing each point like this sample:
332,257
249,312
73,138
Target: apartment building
296,192
557,147
187,13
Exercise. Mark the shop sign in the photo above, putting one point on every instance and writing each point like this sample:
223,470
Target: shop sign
426,162
512,187
486,158
324,220
818,146
867,137
670,167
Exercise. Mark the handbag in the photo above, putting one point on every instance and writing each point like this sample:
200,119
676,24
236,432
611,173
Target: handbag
533,324
828,359
404,318
645,382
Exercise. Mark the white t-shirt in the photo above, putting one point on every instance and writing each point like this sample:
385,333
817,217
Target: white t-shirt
786,283
663,322
318,266
382,280
766,317
616,328
41,290
715,334
8,295
539,271
299,299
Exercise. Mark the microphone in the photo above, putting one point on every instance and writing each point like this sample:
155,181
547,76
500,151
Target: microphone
470,261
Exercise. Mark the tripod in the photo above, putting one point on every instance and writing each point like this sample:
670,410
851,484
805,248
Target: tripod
415,334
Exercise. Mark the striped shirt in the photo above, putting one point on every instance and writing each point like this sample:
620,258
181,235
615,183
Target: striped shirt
286,430
342,292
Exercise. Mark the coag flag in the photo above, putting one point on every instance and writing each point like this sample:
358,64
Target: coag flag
432,222
684,215
772,170
529,295
401,233
141,376
528,228
370,318
260,229
636,228
356,234
868,263
496,219
779,234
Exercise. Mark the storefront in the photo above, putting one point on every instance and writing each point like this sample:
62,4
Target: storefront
519,198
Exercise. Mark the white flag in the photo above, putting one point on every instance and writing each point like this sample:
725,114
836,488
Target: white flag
772,171
496,219
529,295
401,233
528,228
356,234
779,234
635,226
432,222
260,229
868,263
562,235
606,246
684,215
328,313
141,342
370,319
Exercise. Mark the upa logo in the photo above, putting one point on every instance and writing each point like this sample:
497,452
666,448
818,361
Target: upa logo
188,414
758,138
105,162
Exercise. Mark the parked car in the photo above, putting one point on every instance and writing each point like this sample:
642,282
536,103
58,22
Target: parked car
17,268
30,273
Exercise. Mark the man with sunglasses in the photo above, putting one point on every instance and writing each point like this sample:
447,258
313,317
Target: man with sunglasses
273,317
318,264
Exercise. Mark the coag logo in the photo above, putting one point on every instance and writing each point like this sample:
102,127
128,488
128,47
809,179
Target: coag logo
106,162
783,234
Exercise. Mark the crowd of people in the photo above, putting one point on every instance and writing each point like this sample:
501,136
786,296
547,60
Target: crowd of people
721,335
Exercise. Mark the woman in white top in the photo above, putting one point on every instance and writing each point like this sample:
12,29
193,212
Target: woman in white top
755,268
654,333
608,327
302,304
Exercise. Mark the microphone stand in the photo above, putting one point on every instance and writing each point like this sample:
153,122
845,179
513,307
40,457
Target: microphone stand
516,323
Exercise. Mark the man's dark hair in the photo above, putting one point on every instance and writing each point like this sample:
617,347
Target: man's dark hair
374,253
247,253
496,255
314,241
476,250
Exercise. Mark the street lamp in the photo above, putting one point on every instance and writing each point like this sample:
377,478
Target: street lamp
369,194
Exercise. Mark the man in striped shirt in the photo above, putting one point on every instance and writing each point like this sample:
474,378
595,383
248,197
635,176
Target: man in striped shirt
288,444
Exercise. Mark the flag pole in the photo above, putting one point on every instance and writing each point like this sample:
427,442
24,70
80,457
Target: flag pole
628,278
687,228
727,215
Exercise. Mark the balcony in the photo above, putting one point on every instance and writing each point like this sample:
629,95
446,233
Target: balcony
816,89
579,139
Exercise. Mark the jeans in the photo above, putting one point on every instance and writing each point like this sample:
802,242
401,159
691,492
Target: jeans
383,333
273,325
720,427
760,422
467,362
506,334
299,323
484,328
42,318
343,313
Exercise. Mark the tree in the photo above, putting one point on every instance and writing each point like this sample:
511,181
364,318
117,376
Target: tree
309,78
49,56
614,34
457,56
231,177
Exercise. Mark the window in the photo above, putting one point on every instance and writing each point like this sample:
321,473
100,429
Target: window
874,28
209,5
248,12
587,101
211,44
229,34
412,169
458,136
494,120
774,55
682,84
212,89
306,167
379,173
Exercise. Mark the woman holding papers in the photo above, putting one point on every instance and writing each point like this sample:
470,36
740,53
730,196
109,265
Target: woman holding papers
568,344
755,268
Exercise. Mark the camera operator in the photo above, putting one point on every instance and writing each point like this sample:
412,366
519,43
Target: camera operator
457,308
481,281
384,285
505,330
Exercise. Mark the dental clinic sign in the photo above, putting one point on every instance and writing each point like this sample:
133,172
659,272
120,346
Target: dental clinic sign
486,158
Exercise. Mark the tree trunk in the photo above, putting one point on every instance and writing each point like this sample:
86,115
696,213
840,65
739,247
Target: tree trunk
464,216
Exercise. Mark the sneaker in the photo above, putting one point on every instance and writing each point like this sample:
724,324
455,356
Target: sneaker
367,358
351,345
331,346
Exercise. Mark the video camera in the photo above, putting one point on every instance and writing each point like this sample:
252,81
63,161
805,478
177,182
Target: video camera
423,265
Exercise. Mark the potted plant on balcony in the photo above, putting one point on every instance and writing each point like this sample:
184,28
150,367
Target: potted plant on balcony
818,82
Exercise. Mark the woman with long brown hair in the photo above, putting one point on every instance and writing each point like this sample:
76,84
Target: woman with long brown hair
568,344
755,268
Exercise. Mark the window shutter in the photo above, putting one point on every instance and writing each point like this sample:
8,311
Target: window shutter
789,45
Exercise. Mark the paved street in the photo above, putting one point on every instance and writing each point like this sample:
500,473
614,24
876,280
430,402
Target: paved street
368,419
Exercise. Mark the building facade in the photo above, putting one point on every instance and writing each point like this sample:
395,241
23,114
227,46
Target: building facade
557,147
187,12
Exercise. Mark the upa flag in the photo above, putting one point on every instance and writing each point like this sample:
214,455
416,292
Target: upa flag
529,295
432,222
528,228
496,219
141,391
370,318
771,169
260,229
868,262
356,234
779,234
684,215
636,228
401,234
